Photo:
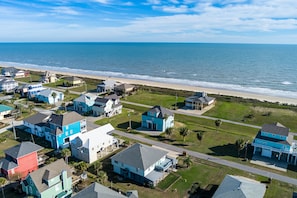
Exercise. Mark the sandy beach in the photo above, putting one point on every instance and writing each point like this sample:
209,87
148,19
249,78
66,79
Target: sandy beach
180,87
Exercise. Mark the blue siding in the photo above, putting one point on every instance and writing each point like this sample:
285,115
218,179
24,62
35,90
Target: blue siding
272,135
273,144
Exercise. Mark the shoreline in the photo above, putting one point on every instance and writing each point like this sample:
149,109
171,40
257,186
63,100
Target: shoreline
246,95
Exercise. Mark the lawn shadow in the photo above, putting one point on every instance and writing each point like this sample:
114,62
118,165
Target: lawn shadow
161,138
224,150
179,105
179,144
125,125
197,192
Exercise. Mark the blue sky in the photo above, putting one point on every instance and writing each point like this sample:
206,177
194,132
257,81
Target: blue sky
227,21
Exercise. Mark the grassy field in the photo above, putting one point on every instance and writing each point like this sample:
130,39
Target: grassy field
31,78
257,115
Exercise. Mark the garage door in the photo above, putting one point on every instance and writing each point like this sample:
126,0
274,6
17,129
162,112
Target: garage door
266,153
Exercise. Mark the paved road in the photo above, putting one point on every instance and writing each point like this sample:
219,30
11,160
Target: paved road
195,115
210,158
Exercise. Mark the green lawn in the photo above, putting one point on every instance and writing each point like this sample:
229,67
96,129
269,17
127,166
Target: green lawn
31,78
257,115
83,88
170,179
144,97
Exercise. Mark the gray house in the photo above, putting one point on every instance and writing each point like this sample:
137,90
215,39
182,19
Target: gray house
143,164
106,86
199,101
96,190
237,186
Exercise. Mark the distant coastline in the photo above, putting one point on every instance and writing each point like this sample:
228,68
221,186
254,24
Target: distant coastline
169,85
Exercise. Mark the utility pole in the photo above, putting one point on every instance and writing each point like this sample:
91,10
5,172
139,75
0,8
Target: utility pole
129,121
13,129
175,101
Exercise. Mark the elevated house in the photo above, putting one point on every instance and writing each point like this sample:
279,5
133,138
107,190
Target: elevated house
199,101
237,186
124,89
59,130
13,72
34,89
89,146
5,111
157,119
7,84
275,141
22,89
142,164
96,190
53,180
84,103
48,77
73,81
20,160
106,86
107,106
49,96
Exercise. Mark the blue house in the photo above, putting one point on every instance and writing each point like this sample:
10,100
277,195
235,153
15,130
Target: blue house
59,130
47,96
157,119
143,164
84,103
275,141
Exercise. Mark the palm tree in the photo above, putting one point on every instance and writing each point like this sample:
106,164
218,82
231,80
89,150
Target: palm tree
187,161
184,131
83,166
3,181
54,95
239,145
102,177
98,166
66,153
218,123
200,135
169,131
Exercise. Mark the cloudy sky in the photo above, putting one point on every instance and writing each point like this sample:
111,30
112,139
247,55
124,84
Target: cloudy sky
227,21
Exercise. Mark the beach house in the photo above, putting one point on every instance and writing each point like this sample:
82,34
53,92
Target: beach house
34,89
106,86
199,101
124,89
71,81
157,119
107,106
7,84
5,111
59,130
91,145
275,141
20,160
53,180
13,72
49,96
142,164
238,186
48,77
84,103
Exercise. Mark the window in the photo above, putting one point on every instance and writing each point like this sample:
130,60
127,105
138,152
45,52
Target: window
116,161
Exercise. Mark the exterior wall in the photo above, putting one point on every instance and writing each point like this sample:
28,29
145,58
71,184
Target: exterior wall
50,99
275,145
4,113
105,108
272,135
117,166
27,164
8,86
83,107
30,189
161,124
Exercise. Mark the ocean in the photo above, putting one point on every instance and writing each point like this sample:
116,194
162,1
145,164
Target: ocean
254,68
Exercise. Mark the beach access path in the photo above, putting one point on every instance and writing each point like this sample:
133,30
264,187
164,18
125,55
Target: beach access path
210,158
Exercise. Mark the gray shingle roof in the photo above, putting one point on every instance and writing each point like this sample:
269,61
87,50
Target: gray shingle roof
48,172
139,156
112,97
163,111
124,87
101,100
22,149
276,128
96,190
37,118
236,187
65,119
7,165
72,78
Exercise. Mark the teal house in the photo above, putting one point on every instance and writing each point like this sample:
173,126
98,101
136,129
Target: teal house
157,119
275,141
84,103
53,180
5,111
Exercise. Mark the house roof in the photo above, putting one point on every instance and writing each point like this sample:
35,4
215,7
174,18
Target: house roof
109,83
85,97
72,78
48,172
276,128
102,100
37,118
112,97
124,87
48,92
201,97
237,186
139,156
5,108
22,149
161,110
65,119
96,190
7,165
9,69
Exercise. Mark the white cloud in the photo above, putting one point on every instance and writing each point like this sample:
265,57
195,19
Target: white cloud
172,9
102,1
64,10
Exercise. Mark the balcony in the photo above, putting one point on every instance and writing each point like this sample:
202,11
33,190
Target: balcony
165,165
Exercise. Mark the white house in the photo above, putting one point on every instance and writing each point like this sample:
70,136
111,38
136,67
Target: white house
46,96
7,84
34,90
106,85
199,101
5,111
107,106
90,145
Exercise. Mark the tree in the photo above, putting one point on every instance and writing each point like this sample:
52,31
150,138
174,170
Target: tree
218,123
3,181
98,166
30,107
239,145
54,95
83,166
169,131
187,161
66,153
184,131
200,135
102,177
